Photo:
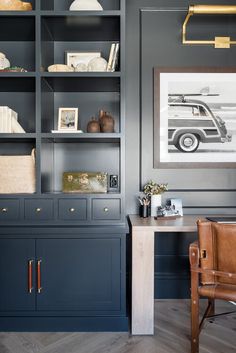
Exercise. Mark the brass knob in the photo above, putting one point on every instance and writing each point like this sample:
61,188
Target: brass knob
72,209
4,210
106,209
38,209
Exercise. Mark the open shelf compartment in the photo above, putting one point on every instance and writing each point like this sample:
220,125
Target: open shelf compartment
89,95
57,158
61,34
19,94
17,40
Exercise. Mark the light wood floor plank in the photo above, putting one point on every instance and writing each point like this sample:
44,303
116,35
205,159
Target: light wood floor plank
172,335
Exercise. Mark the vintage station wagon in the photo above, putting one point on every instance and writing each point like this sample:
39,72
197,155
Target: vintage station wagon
191,122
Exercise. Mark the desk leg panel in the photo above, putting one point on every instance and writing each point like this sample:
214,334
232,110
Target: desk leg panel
142,282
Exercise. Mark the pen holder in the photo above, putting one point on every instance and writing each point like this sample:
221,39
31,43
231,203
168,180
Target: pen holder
144,211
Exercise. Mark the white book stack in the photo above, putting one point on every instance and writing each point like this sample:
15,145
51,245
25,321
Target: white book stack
9,121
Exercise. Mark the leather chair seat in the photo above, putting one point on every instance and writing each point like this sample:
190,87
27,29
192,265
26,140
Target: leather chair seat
218,291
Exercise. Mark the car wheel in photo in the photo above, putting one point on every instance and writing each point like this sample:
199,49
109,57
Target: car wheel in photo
187,142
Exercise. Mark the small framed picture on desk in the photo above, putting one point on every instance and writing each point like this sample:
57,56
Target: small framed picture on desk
176,205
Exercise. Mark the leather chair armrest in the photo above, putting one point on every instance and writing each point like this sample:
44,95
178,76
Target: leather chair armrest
194,255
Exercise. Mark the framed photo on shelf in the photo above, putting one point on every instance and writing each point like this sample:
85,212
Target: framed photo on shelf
80,59
194,117
68,119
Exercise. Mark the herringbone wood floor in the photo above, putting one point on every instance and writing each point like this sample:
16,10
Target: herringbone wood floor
172,330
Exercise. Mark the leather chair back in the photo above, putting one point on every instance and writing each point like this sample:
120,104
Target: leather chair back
217,244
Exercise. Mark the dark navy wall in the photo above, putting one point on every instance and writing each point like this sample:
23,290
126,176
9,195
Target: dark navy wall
154,30
154,39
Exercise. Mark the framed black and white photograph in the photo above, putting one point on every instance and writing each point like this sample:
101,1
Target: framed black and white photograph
68,119
80,60
194,118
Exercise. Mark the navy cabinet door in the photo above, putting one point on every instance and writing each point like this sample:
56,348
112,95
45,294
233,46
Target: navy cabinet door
16,255
79,274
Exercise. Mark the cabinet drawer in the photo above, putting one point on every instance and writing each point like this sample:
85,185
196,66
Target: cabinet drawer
9,209
73,210
38,209
106,209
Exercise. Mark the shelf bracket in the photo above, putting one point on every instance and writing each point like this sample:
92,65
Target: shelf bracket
218,42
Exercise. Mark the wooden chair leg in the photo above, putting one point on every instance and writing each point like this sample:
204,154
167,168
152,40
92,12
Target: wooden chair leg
194,313
211,302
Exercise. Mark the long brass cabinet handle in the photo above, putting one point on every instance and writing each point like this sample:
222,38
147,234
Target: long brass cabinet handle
30,281
39,287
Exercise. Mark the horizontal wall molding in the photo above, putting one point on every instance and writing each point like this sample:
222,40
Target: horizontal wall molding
204,199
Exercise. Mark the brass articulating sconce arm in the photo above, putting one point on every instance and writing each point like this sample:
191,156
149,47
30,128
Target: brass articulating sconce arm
219,42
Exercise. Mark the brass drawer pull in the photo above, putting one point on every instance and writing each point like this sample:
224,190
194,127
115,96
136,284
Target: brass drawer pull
39,276
30,282
106,209
72,209
38,210
4,210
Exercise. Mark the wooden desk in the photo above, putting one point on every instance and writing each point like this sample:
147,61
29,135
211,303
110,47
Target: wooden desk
143,230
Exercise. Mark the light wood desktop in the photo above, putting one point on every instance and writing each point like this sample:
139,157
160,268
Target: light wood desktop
143,230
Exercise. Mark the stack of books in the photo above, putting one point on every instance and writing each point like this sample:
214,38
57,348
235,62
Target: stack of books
9,121
113,57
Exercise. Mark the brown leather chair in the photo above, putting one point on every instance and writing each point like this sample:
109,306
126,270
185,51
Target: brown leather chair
213,271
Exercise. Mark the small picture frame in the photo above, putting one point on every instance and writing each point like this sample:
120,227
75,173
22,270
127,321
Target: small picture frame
68,119
176,205
82,59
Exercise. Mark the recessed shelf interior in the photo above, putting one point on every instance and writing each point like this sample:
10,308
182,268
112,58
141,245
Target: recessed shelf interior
57,158
64,5
17,40
87,33
19,94
16,148
89,95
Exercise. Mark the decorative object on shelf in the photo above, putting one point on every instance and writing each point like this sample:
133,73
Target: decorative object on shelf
113,57
85,182
85,5
9,121
107,122
17,174
97,65
68,119
79,60
15,5
218,42
154,191
4,62
60,68
14,69
93,126
81,67
175,92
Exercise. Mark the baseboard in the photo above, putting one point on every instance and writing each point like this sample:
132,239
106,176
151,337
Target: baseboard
64,324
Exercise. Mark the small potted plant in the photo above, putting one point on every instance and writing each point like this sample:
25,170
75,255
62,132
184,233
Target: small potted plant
154,191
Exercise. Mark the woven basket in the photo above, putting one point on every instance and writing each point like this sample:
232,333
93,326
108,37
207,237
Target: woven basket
17,174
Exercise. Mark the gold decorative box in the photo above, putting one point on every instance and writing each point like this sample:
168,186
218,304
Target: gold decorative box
85,182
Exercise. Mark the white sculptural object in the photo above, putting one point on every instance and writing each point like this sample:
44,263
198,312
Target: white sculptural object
81,67
85,5
4,62
60,68
97,65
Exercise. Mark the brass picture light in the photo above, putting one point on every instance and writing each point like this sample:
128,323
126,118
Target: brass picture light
218,42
